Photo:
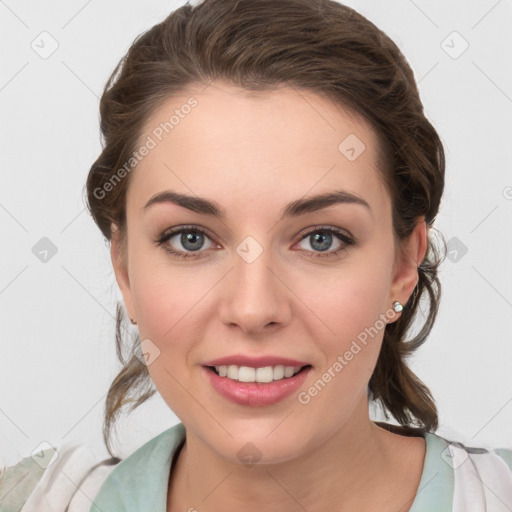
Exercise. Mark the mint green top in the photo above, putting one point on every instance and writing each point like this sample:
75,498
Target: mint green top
139,483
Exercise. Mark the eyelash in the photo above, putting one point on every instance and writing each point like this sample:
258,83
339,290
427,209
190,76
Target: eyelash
165,236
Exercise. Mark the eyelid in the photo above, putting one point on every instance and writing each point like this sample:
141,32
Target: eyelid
326,227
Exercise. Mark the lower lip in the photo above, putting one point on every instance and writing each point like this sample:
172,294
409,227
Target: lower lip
256,393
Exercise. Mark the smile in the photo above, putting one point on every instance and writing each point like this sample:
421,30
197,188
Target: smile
262,375
245,385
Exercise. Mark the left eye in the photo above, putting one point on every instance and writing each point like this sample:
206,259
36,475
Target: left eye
322,239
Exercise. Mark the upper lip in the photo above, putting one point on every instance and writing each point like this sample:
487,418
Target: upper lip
254,362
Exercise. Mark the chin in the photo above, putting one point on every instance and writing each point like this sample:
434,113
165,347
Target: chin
261,448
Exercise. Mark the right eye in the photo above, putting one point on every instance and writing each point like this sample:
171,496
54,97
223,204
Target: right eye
191,239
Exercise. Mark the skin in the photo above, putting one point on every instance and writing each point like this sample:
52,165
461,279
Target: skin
252,154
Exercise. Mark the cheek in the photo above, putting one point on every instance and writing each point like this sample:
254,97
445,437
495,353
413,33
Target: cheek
170,303
166,317
353,308
356,318
350,299
166,298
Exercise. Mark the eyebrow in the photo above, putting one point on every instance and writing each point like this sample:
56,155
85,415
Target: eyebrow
293,209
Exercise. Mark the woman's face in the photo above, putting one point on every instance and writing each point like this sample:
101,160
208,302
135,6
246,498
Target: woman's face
268,278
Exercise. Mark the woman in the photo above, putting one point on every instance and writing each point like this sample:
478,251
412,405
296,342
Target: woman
268,184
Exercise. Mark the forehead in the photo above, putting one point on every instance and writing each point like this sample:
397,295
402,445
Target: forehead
228,143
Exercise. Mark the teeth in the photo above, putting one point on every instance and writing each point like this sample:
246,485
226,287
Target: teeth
263,375
288,371
278,372
246,374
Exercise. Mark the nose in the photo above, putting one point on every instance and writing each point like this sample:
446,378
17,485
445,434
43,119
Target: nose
255,297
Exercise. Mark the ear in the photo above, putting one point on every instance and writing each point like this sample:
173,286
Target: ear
119,257
408,258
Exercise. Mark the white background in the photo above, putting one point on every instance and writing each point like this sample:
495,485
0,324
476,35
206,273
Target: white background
57,318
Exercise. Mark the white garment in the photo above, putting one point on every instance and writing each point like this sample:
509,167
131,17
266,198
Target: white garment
483,481
70,482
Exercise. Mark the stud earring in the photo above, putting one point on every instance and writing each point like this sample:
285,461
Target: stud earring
134,322
397,306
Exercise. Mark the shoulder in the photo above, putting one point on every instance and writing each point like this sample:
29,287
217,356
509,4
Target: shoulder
57,479
482,475
456,453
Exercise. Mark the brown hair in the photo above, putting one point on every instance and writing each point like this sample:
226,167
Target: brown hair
317,45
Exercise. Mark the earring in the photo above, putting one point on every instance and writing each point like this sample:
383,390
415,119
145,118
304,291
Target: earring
134,322
397,306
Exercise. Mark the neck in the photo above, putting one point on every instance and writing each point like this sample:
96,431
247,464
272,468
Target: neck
360,459
354,468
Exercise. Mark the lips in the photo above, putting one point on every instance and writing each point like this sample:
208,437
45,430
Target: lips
255,393
245,391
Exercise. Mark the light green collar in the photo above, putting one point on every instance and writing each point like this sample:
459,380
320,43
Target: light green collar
435,491
139,483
